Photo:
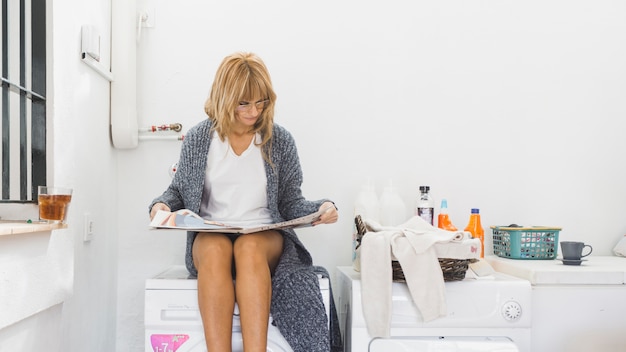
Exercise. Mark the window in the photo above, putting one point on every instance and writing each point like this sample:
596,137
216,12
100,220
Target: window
23,101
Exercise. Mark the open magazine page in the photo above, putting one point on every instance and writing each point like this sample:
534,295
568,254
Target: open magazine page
185,219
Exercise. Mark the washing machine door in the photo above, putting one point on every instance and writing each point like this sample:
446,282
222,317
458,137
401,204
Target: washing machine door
448,344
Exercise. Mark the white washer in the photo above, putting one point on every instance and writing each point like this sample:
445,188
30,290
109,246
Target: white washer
575,308
486,314
172,319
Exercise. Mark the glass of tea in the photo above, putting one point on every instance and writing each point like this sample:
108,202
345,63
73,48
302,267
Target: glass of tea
53,203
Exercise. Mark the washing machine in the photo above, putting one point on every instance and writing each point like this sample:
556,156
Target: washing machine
490,313
576,308
172,318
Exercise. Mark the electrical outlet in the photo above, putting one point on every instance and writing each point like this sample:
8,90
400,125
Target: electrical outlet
87,227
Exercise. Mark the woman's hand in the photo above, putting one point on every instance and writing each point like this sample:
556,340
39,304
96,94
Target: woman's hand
156,207
330,214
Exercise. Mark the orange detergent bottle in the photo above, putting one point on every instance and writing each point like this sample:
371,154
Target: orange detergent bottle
443,220
476,229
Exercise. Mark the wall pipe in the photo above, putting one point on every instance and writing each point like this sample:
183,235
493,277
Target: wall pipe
123,105
176,127
179,137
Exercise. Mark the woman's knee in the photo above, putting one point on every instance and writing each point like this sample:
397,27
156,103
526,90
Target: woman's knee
259,243
266,246
209,249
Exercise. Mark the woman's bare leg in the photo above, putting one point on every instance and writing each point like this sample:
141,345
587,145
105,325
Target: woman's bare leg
256,257
212,256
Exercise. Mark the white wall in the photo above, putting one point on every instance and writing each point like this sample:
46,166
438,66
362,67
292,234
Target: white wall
513,107
84,159
516,108
82,298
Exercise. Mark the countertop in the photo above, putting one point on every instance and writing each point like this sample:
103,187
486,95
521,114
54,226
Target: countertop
594,270
13,227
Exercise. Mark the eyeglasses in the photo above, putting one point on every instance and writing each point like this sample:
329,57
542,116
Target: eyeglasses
259,105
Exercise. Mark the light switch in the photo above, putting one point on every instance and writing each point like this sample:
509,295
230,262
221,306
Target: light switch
87,227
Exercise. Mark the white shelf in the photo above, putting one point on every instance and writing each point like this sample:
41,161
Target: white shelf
13,227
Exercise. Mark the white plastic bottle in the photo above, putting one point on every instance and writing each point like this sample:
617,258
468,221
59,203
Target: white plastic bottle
393,211
426,205
366,205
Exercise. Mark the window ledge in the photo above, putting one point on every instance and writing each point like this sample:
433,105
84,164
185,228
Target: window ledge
15,227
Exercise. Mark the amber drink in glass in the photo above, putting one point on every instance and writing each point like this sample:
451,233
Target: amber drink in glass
53,203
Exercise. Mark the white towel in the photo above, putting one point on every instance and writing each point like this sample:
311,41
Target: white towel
620,247
376,282
416,245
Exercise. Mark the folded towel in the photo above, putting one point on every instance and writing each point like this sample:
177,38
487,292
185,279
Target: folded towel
416,245
620,247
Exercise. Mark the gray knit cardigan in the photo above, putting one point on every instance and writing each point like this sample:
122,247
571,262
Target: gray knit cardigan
297,307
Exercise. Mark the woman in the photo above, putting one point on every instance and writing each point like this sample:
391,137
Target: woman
239,167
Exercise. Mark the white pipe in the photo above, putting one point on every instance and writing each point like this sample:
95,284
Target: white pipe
124,126
161,138
97,67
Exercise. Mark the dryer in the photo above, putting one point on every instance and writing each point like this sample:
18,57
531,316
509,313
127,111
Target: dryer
172,318
484,314
576,307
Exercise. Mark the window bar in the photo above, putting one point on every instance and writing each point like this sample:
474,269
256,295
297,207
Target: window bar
23,179
30,156
38,107
5,105
29,93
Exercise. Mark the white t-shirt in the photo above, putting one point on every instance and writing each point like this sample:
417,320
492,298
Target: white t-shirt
235,185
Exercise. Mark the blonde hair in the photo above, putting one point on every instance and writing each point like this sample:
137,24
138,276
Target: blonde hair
241,77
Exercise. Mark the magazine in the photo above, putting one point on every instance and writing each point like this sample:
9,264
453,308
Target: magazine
185,219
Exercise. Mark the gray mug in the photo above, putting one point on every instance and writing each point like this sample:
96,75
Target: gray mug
574,250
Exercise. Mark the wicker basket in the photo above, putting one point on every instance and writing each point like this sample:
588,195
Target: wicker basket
453,269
